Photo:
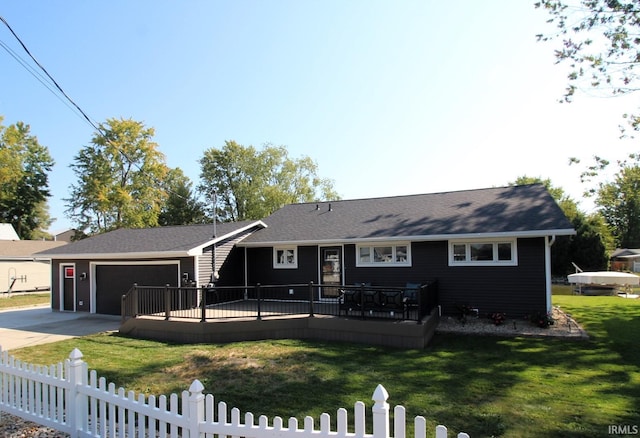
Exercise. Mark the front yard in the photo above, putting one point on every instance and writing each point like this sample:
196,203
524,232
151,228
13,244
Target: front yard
485,386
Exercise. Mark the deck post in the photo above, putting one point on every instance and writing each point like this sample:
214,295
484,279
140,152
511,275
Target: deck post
259,299
203,304
136,304
362,299
167,303
311,311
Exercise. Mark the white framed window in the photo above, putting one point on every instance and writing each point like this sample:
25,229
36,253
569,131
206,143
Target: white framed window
285,257
383,254
483,252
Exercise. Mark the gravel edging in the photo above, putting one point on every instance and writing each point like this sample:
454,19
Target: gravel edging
16,427
564,326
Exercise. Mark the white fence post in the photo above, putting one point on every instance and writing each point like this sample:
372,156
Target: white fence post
380,412
75,400
196,408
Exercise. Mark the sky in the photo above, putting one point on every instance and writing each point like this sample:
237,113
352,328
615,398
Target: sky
387,97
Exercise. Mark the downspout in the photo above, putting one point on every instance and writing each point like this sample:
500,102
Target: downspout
547,268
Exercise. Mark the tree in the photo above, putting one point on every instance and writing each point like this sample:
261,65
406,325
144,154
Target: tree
119,179
252,184
181,207
619,202
24,181
588,248
600,42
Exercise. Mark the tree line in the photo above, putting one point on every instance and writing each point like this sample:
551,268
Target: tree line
123,179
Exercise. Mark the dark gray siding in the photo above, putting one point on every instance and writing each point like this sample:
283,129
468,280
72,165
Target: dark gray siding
515,290
260,263
83,287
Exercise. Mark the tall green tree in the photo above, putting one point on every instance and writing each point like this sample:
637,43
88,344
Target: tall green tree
251,183
120,176
182,206
24,181
619,202
588,248
600,41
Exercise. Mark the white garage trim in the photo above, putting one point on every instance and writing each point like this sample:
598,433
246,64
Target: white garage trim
93,265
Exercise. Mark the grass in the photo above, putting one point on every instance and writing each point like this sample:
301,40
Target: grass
24,300
485,386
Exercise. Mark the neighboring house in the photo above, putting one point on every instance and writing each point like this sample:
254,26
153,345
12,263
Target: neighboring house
7,232
624,259
21,269
65,236
92,274
489,249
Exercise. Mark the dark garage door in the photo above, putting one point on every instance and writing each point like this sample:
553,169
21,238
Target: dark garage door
113,281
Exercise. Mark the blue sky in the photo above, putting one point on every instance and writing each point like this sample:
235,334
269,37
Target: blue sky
388,97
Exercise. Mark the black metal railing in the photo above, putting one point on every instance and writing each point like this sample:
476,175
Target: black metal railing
276,301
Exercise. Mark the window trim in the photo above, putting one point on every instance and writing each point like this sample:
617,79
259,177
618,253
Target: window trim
494,262
285,265
393,263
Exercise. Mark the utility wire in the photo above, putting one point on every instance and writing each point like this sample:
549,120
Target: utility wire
39,77
44,70
84,115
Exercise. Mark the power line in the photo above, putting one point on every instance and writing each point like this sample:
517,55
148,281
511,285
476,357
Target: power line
84,115
39,77
44,70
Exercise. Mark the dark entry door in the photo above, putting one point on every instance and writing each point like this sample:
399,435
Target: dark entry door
68,287
330,271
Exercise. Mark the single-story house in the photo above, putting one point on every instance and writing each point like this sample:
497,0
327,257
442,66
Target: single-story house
625,259
21,270
487,248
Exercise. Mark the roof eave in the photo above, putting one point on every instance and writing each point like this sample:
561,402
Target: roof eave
121,255
418,238
198,249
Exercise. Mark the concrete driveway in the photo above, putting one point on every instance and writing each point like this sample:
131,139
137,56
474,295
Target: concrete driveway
40,325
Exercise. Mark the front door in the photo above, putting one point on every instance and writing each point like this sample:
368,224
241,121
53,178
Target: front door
330,271
68,289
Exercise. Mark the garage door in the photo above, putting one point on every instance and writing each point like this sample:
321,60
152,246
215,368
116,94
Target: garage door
113,281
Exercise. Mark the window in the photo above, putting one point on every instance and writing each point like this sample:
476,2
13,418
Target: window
383,255
285,258
483,252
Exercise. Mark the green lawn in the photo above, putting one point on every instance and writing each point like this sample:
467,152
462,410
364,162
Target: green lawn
24,300
485,386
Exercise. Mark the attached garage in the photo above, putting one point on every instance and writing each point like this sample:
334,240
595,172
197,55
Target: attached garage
92,274
114,280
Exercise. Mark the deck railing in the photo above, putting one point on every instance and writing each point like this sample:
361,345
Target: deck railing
276,301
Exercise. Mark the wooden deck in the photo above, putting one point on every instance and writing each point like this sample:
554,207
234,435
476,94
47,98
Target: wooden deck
372,315
242,325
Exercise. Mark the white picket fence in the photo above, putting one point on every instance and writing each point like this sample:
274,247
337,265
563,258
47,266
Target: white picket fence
69,398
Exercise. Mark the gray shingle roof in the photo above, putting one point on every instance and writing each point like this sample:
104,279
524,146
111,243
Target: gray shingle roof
26,248
514,210
173,240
